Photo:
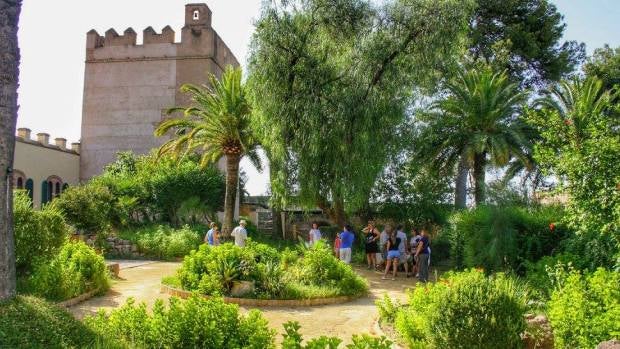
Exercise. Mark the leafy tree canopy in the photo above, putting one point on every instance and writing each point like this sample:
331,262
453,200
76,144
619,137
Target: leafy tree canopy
333,80
604,65
580,145
524,37
155,187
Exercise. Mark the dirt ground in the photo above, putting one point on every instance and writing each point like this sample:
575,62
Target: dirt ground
142,282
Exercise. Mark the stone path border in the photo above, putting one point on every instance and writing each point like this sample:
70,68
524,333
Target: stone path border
79,299
265,302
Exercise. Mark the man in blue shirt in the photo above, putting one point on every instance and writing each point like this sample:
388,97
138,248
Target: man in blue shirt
346,243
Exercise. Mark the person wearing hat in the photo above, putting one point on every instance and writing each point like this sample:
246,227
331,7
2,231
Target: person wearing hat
240,234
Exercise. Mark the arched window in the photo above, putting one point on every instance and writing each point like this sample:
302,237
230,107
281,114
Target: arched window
30,188
196,15
54,183
18,179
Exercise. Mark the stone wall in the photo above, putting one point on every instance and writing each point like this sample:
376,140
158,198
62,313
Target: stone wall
117,247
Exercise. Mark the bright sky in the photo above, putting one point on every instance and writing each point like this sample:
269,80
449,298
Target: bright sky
52,40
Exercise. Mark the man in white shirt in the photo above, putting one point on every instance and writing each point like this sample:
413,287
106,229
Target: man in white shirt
314,234
240,234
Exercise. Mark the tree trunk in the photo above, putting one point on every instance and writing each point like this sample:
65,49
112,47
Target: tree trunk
338,215
479,178
232,181
275,210
334,210
460,190
9,76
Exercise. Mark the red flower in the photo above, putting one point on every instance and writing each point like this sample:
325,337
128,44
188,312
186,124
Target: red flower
552,226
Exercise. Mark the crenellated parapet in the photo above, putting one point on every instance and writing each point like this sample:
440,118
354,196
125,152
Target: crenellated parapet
198,39
151,37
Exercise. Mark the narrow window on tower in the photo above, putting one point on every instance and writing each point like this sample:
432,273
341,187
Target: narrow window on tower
196,15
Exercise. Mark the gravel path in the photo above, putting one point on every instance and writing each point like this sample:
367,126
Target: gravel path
142,282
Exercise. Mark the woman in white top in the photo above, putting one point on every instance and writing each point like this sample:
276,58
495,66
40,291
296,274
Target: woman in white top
314,235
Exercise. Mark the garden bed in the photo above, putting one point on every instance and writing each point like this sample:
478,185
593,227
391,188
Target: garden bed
305,276
253,302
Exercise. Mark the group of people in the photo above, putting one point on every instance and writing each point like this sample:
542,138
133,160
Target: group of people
390,247
240,234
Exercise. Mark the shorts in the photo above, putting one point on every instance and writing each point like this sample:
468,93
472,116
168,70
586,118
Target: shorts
345,255
393,254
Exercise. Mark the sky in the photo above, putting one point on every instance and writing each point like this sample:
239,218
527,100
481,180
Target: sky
52,39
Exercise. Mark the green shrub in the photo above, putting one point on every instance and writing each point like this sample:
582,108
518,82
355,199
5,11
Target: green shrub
213,270
388,309
30,322
76,269
594,249
545,274
292,339
319,267
38,233
194,323
441,247
89,207
504,238
465,310
584,310
209,267
164,242
152,188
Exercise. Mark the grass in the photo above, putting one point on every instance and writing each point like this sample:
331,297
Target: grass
30,322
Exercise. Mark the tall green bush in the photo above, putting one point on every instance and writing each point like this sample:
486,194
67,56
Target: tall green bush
579,144
152,188
164,242
464,310
39,234
76,269
584,310
194,323
505,238
89,208
318,266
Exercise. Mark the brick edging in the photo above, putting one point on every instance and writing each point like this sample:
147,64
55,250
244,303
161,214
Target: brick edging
79,299
265,302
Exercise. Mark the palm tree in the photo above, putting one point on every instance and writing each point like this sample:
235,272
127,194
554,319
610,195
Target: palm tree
576,101
216,125
9,76
477,123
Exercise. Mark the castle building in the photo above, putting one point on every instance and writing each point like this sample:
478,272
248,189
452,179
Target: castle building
129,87
127,90
44,170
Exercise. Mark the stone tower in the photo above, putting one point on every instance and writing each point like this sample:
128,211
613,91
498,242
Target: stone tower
129,87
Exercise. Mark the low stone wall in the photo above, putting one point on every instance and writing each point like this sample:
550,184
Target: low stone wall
79,299
116,247
264,302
